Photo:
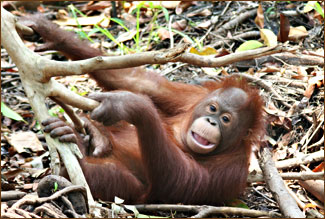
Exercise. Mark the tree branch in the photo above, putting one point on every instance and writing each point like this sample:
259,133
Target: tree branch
30,72
53,68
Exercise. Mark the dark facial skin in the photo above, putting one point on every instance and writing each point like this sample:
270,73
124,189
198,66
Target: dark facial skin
217,120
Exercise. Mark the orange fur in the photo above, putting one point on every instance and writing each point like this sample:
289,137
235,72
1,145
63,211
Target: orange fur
150,162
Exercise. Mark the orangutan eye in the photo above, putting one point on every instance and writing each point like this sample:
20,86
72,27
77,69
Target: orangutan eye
225,118
213,108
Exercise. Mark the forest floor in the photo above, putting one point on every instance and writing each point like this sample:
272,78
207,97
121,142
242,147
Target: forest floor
291,84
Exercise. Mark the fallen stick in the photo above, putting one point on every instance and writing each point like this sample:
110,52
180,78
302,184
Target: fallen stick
258,177
205,211
287,204
293,162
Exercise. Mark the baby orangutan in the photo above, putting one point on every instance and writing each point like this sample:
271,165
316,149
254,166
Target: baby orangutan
156,141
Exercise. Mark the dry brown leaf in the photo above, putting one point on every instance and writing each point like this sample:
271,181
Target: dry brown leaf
187,40
205,12
129,19
224,72
204,52
314,82
320,167
17,160
96,6
22,140
222,52
100,20
164,34
41,9
205,24
40,173
251,71
259,20
318,17
284,28
302,73
272,110
297,33
126,36
182,6
211,71
285,139
179,25
62,15
309,90
270,69
170,4
278,117
28,186
11,173
127,6
291,6
280,154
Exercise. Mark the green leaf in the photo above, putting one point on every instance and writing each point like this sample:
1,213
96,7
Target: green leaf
249,45
319,9
165,11
268,10
56,186
74,89
81,32
120,22
83,93
183,35
55,111
151,5
7,112
93,31
238,204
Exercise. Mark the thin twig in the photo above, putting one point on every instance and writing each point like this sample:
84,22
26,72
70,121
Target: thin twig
267,87
258,177
238,19
307,159
78,123
226,8
204,210
313,134
264,196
